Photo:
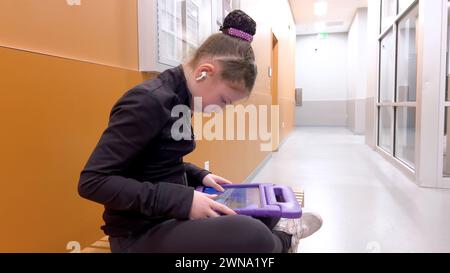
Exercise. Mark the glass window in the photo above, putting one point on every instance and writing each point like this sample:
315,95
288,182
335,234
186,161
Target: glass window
407,58
387,68
405,138
447,112
447,143
388,13
179,29
404,4
447,97
169,32
398,81
386,134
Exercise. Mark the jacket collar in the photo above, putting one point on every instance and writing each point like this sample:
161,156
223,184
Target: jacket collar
176,79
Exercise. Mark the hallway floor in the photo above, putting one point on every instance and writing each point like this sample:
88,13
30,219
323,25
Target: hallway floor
366,203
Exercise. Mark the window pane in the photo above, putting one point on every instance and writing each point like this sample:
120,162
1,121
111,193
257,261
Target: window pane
387,68
388,13
405,138
386,135
446,151
447,97
447,143
407,57
404,4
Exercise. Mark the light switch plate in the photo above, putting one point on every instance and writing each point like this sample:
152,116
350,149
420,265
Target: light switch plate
73,2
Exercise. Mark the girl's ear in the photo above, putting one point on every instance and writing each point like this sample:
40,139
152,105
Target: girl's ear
206,68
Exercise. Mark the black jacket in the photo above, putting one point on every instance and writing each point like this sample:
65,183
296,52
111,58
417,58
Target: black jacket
136,170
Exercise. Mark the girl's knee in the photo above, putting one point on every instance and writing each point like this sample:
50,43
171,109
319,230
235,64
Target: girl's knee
254,235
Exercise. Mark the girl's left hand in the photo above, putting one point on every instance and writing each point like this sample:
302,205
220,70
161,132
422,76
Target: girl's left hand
215,181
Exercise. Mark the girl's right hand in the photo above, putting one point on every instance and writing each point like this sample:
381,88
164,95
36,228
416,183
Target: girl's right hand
204,206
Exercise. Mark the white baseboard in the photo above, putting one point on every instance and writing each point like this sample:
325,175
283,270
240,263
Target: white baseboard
258,169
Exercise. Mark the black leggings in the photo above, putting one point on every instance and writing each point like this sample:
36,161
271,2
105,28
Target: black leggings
226,234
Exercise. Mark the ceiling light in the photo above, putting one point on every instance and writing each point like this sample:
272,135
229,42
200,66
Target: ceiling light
321,8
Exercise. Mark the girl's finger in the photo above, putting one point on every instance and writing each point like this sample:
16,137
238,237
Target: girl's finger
221,180
212,214
223,209
217,187
211,196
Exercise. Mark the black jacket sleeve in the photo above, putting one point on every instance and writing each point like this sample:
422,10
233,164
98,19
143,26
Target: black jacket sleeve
135,120
195,175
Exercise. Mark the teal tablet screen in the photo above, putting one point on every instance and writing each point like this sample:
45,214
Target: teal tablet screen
238,198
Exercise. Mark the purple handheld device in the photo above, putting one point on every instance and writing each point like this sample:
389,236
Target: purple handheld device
258,200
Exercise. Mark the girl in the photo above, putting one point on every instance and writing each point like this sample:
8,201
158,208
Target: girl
137,171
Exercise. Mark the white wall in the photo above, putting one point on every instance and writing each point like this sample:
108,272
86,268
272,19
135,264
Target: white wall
357,72
373,31
357,48
322,73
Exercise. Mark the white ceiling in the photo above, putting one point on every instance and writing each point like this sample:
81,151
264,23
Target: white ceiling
338,18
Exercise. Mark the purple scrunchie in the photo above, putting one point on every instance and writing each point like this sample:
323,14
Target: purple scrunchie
239,34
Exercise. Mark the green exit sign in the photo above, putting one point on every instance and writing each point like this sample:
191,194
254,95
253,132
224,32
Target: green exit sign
323,35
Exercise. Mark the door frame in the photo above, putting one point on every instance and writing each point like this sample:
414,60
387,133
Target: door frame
274,90
443,5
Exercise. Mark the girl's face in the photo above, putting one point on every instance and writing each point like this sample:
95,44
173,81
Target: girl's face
215,91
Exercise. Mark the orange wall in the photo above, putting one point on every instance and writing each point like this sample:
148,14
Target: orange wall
52,115
54,110
98,31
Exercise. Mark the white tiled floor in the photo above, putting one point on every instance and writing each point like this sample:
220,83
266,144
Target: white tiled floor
366,203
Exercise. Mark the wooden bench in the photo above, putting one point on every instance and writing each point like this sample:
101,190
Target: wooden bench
102,245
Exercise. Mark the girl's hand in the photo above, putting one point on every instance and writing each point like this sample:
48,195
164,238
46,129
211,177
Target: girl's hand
215,181
203,206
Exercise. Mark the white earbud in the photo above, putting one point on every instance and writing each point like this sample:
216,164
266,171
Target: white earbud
203,76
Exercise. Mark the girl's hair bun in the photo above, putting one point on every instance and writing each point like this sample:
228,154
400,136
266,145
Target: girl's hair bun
238,19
